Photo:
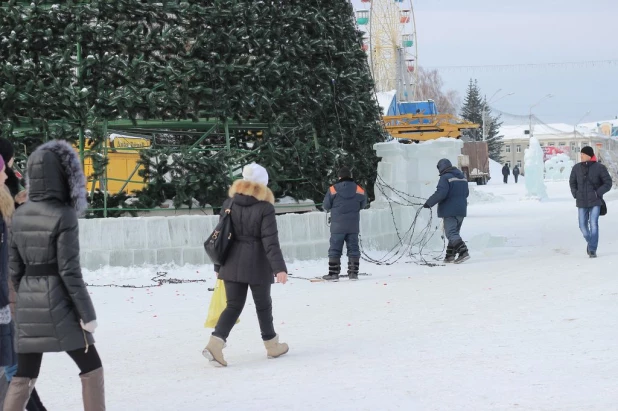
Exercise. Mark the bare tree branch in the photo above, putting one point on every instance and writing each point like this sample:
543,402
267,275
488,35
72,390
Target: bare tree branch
430,87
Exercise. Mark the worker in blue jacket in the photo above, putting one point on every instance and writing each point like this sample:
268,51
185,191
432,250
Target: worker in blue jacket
344,200
451,196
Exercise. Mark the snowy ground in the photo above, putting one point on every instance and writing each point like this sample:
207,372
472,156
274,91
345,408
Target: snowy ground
530,325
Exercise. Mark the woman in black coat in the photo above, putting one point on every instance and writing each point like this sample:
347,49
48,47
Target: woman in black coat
8,203
254,261
54,312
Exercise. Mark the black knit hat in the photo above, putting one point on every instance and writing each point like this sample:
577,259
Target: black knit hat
344,172
6,150
588,151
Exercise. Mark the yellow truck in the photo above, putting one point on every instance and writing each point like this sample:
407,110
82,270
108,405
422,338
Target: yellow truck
123,155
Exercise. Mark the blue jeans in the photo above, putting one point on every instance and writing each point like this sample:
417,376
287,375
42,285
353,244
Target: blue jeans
9,372
452,226
589,225
336,245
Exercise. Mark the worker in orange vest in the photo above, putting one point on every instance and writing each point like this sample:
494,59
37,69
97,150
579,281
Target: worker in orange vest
344,200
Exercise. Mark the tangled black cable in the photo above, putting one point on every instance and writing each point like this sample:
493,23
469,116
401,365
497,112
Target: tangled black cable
158,279
406,241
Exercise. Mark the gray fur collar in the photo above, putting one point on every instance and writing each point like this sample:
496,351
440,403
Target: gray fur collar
73,168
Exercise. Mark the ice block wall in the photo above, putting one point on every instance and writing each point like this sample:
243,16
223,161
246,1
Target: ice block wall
410,168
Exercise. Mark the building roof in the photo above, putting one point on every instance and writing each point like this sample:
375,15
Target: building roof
595,124
548,131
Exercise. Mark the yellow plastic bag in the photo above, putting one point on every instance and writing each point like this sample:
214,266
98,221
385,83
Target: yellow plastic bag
218,303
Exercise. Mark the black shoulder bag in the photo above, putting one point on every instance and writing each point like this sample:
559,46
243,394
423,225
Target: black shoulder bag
219,242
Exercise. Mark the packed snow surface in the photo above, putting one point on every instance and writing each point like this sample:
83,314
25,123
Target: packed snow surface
529,323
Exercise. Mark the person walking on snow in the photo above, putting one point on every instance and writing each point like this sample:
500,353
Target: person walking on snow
451,196
7,208
506,172
254,261
13,179
589,181
54,312
516,173
344,200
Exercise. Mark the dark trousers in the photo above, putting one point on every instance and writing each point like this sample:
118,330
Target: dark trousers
516,176
236,294
29,365
506,179
452,227
336,245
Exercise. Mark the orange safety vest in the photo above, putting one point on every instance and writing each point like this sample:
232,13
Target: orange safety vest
359,190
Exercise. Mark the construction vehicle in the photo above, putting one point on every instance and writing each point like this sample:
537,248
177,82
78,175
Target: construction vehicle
419,121
123,157
421,127
474,162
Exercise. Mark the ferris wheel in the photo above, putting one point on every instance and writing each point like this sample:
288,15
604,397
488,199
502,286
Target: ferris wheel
391,46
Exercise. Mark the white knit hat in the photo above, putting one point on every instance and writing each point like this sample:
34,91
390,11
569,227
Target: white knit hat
255,173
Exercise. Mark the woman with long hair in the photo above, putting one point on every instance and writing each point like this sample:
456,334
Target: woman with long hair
54,312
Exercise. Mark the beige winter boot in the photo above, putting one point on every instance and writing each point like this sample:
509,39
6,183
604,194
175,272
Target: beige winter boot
214,350
18,393
93,390
274,348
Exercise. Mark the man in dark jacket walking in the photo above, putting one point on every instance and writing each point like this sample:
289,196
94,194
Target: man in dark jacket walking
516,173
451,196
506,172
344,200
589,181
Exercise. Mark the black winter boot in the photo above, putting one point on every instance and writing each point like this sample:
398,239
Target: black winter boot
353,267
450,254
462,250
34,403
334,268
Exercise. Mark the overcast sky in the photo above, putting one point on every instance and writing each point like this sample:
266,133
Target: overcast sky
500,32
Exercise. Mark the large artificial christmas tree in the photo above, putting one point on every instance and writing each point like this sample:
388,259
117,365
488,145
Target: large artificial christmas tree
72,70
476,110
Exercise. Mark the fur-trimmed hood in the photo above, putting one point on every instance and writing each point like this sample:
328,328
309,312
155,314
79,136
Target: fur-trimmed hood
55,173
248,188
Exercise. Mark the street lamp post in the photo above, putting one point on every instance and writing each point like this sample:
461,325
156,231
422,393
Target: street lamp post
484,112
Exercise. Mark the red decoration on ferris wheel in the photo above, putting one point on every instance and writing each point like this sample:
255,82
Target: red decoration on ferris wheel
405,16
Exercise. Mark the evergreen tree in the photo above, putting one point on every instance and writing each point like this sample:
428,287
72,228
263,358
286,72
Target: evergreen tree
472,110
492,132
295,65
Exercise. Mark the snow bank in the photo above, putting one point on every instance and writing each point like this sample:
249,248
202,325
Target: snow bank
477,196
495,172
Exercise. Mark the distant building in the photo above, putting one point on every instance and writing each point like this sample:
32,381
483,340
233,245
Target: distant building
608,128
554,139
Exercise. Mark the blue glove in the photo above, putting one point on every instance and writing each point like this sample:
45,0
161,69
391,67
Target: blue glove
426,205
